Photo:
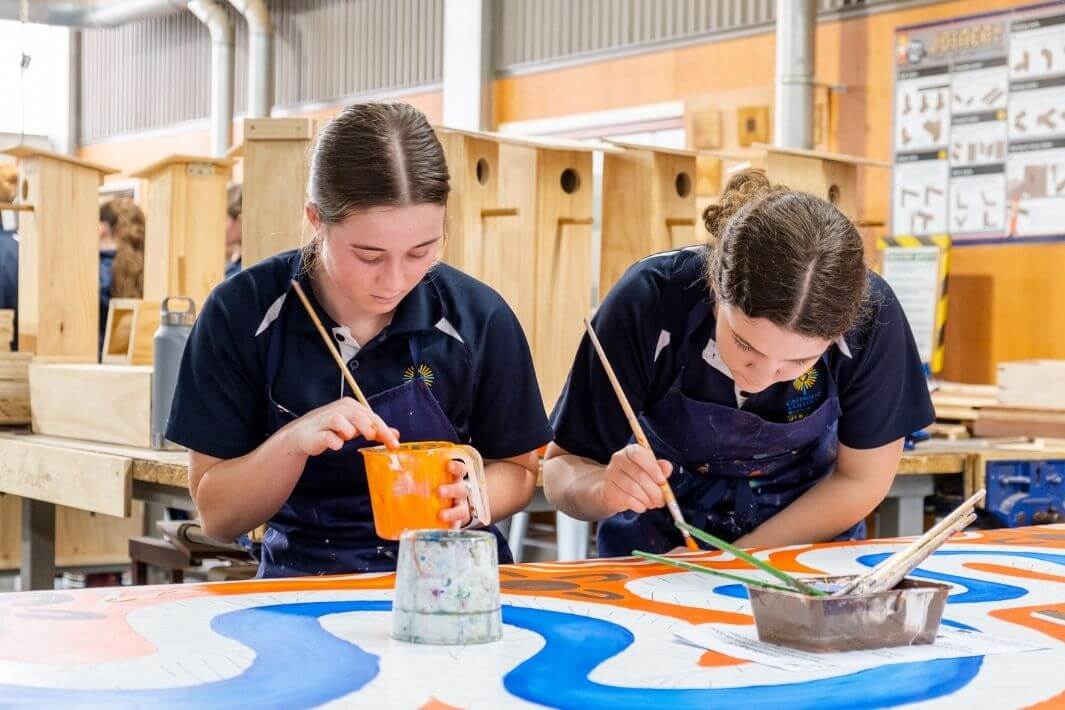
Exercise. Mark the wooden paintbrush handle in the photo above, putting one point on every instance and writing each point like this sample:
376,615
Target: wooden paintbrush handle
637,431
891,576
958,513
331,347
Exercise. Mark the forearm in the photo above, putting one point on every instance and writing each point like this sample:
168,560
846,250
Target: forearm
847,495
511,485
574,485
236,495
823,512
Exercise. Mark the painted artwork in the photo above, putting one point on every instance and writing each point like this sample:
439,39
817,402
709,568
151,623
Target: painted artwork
587,634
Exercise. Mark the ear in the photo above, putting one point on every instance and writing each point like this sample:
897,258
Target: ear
311,210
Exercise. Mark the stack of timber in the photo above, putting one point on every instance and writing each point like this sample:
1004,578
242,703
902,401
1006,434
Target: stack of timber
1031,401
955,401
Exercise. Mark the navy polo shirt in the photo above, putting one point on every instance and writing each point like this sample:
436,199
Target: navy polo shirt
107,266
474,356
883,393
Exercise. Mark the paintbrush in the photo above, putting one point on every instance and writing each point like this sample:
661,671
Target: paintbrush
331,347
637,431
891,576
957,514
751,559
698,568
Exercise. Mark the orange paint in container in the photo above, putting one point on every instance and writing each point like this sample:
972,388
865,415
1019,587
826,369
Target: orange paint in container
404,485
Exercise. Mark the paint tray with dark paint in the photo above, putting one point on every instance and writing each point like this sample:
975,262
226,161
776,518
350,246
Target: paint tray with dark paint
906,615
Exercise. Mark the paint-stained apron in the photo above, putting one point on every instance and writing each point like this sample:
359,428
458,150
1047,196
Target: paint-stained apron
326,525
732,470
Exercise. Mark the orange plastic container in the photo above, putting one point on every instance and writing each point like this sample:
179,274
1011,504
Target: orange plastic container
404,485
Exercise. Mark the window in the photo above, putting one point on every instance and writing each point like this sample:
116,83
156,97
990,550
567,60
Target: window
29,96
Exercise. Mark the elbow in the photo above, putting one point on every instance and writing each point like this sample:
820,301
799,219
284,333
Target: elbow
528,483
215,523
219,529
557,476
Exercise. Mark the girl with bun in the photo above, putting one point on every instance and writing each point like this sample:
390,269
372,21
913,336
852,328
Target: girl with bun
775,376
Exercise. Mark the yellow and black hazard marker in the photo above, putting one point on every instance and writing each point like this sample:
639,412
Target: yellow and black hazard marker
943,243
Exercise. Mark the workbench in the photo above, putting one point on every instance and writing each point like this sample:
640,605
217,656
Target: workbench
593,634
48,471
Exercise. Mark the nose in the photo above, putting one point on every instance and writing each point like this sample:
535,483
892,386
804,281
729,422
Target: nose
392,276
761,374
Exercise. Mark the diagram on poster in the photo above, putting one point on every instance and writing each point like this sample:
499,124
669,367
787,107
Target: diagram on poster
922,101
1036,188
921,194
979,86
977,202
1002,128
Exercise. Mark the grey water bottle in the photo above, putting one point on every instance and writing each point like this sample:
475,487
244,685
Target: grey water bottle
169,343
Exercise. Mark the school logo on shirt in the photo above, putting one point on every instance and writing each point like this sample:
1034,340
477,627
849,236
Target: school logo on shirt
806,397
806,380
424,371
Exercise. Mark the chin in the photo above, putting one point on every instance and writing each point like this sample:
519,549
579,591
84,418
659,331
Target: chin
378,308
751,388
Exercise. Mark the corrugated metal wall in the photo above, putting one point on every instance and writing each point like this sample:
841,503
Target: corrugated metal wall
531,33
144,75
327,49
156,73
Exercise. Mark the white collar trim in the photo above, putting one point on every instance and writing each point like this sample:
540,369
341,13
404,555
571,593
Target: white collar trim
841,343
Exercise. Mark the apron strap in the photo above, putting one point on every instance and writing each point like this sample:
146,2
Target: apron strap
681,321
275,347
414,346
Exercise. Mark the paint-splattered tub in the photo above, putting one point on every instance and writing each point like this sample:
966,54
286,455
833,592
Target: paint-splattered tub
906,615
447,588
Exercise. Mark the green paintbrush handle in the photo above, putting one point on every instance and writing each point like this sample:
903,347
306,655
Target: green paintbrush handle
698,568
747,557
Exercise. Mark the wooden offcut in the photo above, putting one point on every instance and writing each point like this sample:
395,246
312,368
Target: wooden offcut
184,249
1021,421
1032,383
14,388
59,257
277,153
105,403
130,331
648,206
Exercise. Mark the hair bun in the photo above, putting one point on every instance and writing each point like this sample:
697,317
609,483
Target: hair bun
744,187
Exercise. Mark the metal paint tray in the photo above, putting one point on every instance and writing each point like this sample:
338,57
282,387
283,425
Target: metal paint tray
907,615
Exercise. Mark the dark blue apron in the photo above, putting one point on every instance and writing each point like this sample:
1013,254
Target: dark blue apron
326,525
732,470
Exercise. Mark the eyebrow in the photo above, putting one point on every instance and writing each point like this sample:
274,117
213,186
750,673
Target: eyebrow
797,360
364,247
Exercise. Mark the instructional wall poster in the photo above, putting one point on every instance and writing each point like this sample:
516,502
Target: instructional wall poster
979,127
